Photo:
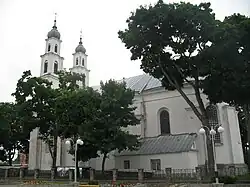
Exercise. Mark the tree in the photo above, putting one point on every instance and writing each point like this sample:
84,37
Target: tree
115,114
230,80
14,136
77,111
36,95
94,116
173,42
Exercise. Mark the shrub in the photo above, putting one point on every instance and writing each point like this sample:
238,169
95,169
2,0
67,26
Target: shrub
93,182
226,179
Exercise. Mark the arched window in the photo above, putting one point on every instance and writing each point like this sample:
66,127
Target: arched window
55,48
45,67
213,121
164,122
83,62
49,48
56,67
76,61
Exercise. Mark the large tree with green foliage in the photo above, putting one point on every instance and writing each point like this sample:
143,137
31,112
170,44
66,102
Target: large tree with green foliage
36,95
14,135
99,119
115,114
230,80
77,111
173,42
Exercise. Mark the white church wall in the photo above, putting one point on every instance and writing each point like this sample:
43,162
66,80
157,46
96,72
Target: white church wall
96,163
178,110
235,139
186,160
183,120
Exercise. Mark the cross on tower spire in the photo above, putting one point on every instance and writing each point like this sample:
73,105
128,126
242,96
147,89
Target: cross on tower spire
80,37
55,21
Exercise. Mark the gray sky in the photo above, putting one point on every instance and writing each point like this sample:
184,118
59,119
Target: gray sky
24,25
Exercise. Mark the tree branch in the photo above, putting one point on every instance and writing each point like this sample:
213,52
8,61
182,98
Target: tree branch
198,97
178,88
184,77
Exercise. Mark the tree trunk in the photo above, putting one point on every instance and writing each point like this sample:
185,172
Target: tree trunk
76,162
103,161
10,158
210,153
54,155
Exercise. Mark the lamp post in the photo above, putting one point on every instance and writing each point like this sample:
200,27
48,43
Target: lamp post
212,132
78,142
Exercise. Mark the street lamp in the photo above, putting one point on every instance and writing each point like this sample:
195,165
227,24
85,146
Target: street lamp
78,142
212,132
1,148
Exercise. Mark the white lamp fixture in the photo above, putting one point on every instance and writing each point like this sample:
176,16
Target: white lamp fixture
221,129
1,148
202,131
212,132
67,142
79,142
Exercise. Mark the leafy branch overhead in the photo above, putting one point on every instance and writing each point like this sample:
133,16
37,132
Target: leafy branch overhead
175,44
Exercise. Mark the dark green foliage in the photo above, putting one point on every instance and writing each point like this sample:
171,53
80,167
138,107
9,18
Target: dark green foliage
93,183
226,180
38,103
14,134
229,81
99,119
115,114
174,43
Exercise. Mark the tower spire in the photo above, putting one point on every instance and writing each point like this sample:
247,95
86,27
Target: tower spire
54,27
80,37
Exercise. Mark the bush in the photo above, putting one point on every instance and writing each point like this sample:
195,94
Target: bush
227,180
93,182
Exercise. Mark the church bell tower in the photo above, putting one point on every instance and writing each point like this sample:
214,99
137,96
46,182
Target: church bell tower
51,61
80,61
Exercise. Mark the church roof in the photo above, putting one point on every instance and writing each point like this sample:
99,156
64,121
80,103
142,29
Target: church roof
139,83
164,144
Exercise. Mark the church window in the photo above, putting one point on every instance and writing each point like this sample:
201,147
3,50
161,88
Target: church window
126,164
83,62
76,61
164,122
55,48
45,68
213,121
56,67
155,164
49,48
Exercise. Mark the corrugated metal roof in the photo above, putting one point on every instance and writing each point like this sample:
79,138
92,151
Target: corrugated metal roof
139,83
164,144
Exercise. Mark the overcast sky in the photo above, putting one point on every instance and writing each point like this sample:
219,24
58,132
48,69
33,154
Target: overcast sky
24,25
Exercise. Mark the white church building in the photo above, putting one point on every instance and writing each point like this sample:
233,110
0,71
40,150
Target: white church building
169,127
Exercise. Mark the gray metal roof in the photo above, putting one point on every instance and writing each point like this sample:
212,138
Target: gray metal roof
139,83
164,144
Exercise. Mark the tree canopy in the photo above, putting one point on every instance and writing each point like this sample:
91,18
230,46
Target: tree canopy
36,95
14,135
229,82
174,43
104,116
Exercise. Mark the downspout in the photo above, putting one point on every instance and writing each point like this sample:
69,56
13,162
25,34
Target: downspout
144,111
144,117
